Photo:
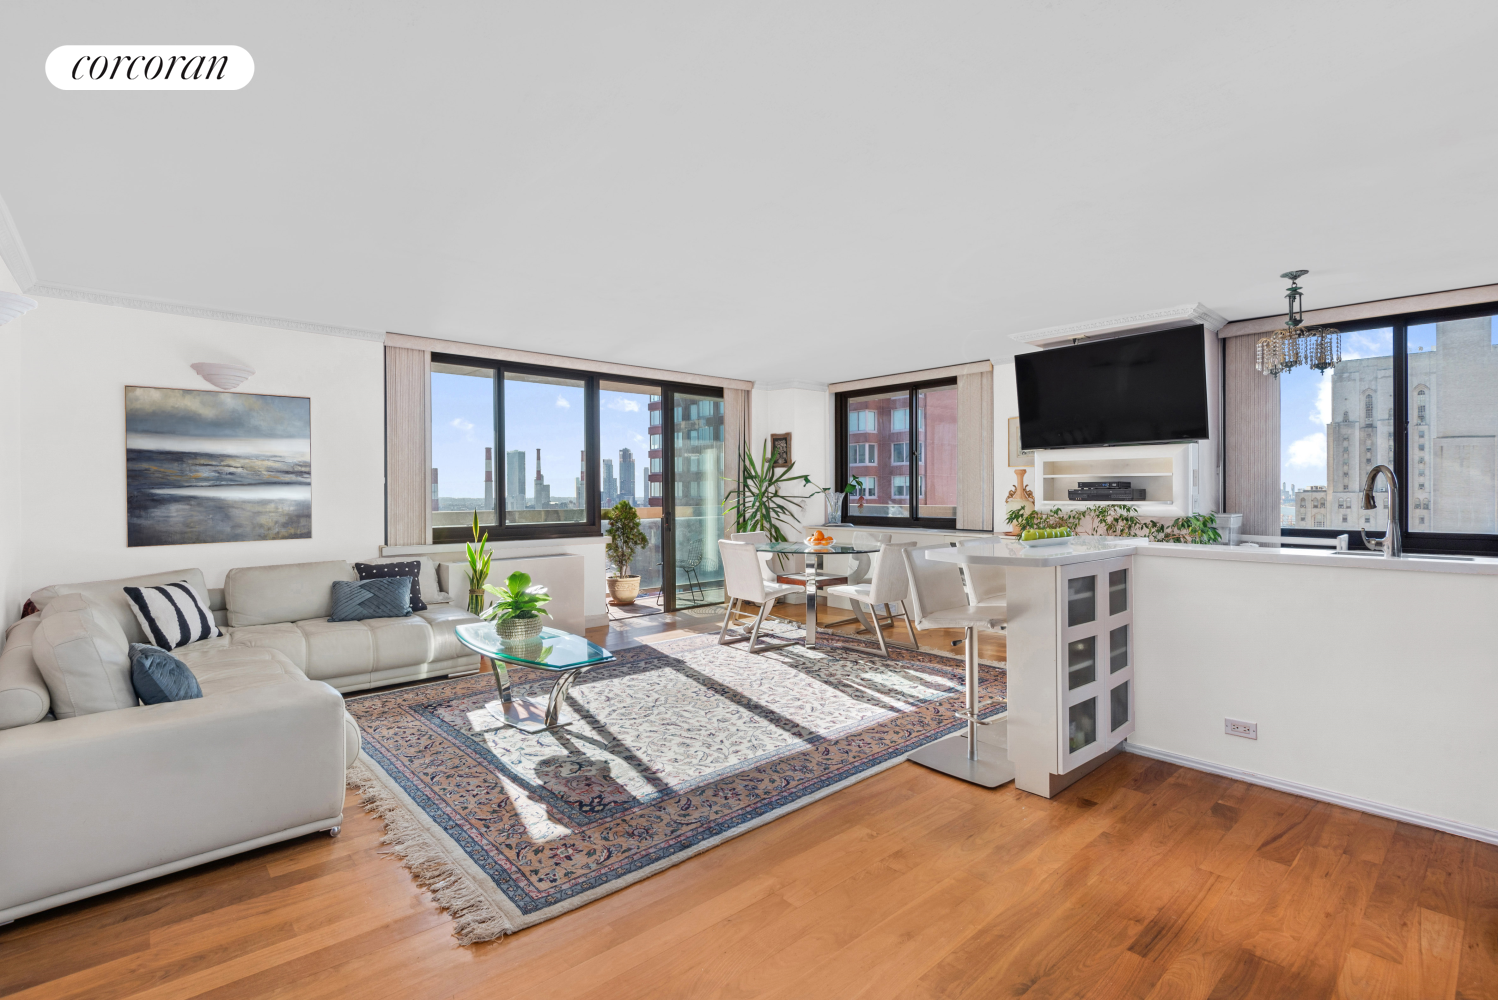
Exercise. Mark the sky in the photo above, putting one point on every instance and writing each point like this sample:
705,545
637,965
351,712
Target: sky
540,415
1306,402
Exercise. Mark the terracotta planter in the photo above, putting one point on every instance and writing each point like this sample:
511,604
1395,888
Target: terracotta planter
624,589
518,629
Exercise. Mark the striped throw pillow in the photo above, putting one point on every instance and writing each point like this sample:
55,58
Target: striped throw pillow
172,615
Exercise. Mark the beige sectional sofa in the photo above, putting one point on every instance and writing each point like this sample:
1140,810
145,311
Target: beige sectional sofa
98,801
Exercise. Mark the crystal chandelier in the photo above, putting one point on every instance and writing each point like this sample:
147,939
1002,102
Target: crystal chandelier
1291,345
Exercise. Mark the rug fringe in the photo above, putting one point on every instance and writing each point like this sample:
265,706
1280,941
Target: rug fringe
474,918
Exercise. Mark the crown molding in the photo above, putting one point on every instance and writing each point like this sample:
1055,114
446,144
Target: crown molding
1140,322
98,298
790,383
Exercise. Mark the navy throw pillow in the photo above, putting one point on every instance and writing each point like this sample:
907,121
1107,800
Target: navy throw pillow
385,598
158,676
379,571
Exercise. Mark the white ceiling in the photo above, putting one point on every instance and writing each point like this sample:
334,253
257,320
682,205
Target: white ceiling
765,190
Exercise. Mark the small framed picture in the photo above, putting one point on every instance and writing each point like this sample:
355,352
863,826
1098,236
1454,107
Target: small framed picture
1018,459
780,450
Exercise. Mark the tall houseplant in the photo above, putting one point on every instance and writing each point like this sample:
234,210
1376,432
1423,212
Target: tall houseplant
478,568
516,611
625,539
757,500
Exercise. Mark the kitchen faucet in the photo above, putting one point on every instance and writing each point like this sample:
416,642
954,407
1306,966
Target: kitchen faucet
1392,544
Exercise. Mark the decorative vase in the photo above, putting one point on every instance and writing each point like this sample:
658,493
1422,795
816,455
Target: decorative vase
624,589
518,629
1019,498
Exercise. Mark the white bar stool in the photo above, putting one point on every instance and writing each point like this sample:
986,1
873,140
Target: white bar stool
940,602
744,580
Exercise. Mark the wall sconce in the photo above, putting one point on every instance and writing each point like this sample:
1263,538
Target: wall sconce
13,306
224,376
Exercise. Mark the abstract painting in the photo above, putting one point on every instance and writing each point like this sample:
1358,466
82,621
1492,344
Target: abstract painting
206,466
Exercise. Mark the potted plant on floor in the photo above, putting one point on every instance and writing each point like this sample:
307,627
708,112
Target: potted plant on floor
478,568
757,500
516,611
625,539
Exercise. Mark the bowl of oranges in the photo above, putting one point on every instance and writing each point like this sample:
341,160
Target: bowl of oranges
820,540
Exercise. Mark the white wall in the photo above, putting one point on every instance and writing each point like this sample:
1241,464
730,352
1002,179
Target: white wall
1370,683
805,410
62,500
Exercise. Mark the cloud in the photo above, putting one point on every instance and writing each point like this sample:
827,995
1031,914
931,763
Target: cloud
623,405
639,438
461,424
1309,453
563,404
1323,412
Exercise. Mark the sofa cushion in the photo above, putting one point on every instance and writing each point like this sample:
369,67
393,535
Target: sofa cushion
284,637
172,614
83,658
399,642
110,594
264,595
159,677
24,698
237,668
384,598
388,568
444,620
336,649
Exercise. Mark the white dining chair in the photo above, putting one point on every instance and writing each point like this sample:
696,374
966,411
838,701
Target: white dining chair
888,587
766,559
743,580
940,600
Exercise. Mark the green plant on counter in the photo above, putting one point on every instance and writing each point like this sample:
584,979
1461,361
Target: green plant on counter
1120,520
478,568
757,501
516,599
625,536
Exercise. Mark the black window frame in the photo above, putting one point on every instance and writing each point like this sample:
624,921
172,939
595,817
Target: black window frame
591,526
1415,542
914,520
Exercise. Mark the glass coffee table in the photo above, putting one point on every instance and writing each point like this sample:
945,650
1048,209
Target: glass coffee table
563,653
815,579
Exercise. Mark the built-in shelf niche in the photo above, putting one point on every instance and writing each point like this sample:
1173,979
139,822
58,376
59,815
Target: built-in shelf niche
1166,472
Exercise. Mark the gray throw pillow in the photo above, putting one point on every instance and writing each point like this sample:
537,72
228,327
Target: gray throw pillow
410,568
158,676
386,598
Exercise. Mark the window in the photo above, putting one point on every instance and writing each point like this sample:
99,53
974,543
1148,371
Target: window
923,456
540,452
1444,456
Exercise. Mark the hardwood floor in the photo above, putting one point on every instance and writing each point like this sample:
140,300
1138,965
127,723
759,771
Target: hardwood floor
1142,880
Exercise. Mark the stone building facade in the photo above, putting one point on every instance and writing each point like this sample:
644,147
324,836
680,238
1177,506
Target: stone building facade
1452,478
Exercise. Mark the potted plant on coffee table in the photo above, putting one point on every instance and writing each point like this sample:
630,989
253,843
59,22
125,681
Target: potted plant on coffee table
625,539
516,611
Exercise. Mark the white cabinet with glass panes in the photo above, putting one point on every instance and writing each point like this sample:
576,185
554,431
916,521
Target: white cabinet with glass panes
1069,652
1096,708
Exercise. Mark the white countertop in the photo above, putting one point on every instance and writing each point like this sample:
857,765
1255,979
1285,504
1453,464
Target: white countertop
1477,565
1009,552
1085,548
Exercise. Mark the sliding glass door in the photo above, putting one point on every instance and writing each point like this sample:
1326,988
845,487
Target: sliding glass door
692,477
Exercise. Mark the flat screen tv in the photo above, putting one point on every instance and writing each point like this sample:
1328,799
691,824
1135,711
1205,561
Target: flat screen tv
1142,389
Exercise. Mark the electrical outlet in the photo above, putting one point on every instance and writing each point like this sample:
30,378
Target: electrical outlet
1237,727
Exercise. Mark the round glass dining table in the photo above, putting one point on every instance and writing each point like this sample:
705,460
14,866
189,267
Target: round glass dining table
813,579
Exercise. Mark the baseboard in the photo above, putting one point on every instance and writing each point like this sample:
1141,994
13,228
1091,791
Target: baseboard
594,621
1321,795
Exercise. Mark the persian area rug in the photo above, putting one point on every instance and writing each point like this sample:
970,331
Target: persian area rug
681,745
